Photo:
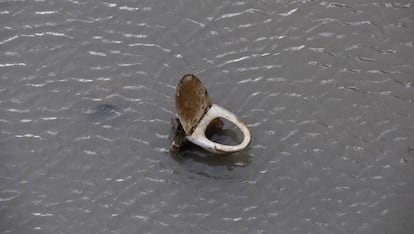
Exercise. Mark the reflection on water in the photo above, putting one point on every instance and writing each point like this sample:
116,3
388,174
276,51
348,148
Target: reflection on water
87,92
197,154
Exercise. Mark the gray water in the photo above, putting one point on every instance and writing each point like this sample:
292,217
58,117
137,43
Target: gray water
87,92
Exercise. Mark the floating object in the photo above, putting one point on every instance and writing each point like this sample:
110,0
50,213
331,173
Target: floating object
195,113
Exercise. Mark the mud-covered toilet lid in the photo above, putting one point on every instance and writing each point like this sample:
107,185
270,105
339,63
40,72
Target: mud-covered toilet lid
191,102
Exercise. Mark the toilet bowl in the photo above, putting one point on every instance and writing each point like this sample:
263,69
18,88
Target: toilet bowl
195,112
199,138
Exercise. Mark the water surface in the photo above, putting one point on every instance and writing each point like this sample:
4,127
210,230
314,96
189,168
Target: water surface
87,92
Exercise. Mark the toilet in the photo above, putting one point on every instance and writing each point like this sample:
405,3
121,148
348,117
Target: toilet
196,111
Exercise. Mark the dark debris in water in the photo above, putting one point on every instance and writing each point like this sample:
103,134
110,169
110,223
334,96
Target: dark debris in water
178,140
106,109
105,112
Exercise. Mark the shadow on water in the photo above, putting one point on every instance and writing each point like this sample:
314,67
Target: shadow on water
197,154
91,119
201,163
104,113
194,153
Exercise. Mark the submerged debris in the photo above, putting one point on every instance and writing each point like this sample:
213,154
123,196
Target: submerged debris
104,113
178,139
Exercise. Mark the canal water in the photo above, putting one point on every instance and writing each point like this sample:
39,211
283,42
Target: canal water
87,93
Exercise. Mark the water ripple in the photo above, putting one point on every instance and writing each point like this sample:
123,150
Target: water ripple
9,195
12,64
88,90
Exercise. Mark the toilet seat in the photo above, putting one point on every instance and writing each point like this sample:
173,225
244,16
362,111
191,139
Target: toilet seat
199,138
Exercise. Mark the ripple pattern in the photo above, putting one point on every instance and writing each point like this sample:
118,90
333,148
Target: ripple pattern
87,91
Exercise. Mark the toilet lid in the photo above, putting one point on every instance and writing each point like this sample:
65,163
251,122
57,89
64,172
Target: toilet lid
191,102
